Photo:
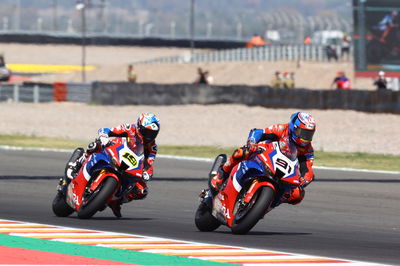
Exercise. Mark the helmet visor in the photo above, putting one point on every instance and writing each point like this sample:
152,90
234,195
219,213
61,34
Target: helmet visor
148,134
304,134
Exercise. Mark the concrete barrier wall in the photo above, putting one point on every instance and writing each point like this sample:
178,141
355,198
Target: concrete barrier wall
116,41
160,94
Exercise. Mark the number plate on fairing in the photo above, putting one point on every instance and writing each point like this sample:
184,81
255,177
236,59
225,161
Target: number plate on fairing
283,163
132,160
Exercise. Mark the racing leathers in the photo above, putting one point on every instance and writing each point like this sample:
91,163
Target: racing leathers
130,131
136,190
278,132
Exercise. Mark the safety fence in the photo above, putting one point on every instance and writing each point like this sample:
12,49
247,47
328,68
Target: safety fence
42,92
264,53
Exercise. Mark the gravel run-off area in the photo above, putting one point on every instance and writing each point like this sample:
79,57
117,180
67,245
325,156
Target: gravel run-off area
220,125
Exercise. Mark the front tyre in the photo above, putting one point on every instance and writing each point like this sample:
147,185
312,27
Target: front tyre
60,207
253,212
204,220
100,197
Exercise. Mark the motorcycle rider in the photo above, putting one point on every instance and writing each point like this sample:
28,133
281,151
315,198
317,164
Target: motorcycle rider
145,129
299,131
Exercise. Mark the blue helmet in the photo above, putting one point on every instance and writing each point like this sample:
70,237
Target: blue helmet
301,128
148,126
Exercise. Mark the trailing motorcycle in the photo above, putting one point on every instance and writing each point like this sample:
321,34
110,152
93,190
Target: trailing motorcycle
242,202
121,160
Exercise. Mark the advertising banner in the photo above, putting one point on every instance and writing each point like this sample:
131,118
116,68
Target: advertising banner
377,37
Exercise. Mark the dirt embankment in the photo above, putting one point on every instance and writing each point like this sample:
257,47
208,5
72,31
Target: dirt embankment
221,125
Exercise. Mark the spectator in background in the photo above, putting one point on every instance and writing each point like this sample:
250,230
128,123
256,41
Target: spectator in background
293,78
331,53
346,41
277,80
381,81
202,76
2,61
342,82
307,40
131,74
288,80
209,78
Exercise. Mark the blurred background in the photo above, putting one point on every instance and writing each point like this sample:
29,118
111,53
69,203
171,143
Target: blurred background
307,44
288,21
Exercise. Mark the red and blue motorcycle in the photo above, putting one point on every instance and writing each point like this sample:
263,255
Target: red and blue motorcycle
101,177
253,188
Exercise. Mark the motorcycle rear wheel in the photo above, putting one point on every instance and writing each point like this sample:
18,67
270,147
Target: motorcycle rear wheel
264,197
204,220
60,207
106,189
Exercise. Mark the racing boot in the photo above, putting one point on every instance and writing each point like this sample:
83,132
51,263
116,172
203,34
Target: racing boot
218,179
74,163
223,172
62,186
115,206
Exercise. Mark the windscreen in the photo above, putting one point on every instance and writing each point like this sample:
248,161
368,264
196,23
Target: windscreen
135,145
288,149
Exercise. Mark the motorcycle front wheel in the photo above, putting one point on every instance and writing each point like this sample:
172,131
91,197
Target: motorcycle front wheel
247,216
100,197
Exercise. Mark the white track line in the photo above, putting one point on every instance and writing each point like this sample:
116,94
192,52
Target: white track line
190,158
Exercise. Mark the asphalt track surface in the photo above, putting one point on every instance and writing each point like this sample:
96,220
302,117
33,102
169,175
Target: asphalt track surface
348,215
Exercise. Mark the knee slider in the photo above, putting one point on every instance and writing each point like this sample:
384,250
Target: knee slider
296,196
137,192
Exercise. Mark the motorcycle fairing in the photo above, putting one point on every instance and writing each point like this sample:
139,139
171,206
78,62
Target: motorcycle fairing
224,202
103,174
254,187
95,162
284,164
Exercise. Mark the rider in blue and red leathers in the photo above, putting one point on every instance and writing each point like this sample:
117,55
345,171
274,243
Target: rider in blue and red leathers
145,129
299,131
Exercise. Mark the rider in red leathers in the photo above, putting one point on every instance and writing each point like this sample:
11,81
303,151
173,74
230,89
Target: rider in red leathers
146,130
300,131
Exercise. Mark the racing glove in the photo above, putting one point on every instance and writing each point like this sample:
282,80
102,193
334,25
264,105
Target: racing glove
104,140
146,176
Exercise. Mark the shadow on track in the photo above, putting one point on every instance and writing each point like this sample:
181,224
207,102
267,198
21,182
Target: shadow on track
259,233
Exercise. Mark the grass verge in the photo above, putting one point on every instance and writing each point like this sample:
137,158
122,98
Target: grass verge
40,142
330,159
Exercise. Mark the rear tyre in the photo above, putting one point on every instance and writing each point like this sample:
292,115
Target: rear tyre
60,207
262,199
103,192
204,220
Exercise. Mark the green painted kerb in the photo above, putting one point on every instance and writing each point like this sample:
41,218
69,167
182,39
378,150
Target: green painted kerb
127,256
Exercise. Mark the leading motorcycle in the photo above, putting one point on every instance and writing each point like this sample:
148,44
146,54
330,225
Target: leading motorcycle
121,160
254,187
